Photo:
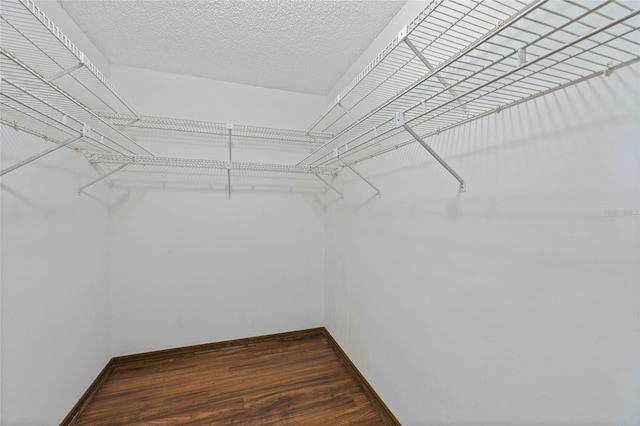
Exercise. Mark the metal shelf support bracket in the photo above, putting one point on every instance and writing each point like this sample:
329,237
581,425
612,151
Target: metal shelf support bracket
132,122
522,56
330,186
361,177
68,70
35,157
346,111
101,177
463,186
431,68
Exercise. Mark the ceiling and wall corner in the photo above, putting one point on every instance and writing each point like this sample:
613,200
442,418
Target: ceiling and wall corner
297,46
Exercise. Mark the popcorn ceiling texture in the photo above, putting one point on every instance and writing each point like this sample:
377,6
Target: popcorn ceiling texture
302,46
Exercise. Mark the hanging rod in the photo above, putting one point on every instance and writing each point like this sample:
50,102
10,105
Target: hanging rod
208,164
241,132
606,71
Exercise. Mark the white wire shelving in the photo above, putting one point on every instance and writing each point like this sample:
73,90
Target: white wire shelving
193,163
30,35
214,132
49,87
462,60
457,61
197,169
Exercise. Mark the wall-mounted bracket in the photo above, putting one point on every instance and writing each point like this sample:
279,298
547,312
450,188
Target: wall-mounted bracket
360,176
607,69
463,187
101,177
35,157
432,69
86,130
346,111
132,122
402,35
68,70
398,119
330,186
522,56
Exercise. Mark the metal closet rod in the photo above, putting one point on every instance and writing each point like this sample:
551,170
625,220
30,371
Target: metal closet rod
216,129
62,114
500,77
84,133
208,164
524,12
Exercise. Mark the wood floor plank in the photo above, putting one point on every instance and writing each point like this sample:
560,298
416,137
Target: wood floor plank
300,381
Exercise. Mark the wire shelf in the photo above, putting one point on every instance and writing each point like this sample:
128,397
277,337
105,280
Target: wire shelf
185,178
49,87
29,34
211,130
193,163
440,30
26,93
543,46
457,61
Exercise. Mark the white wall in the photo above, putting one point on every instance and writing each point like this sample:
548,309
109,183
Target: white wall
516,302
55,288
191,266
54,295
173,95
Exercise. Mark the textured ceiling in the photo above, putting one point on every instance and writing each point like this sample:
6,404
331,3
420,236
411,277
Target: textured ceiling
302,46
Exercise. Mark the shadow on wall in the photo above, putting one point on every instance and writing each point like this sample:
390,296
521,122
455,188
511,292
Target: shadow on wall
557,114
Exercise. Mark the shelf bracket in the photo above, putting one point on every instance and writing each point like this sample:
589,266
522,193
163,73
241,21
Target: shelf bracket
68,70
132,122
463,186
522,56
35,157
101,177
403,36
360,176
330,186
346,111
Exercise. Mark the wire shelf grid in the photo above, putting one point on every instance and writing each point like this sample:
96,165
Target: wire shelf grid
29,34
563,41
239,133
196,163
457,61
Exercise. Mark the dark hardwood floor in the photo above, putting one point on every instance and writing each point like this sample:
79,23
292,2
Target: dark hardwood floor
299,381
